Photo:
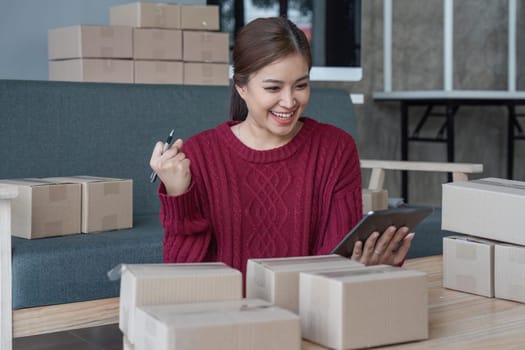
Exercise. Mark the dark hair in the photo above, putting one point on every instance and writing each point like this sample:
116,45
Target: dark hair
258,44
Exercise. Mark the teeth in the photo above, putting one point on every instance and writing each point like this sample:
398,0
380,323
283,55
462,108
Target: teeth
283,115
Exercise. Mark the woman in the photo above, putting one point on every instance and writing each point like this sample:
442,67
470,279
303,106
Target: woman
270,182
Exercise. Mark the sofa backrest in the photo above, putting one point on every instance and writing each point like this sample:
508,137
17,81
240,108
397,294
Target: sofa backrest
52,128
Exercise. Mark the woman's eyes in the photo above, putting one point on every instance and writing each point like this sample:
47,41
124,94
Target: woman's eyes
301,86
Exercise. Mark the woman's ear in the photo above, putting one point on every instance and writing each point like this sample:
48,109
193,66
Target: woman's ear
241,90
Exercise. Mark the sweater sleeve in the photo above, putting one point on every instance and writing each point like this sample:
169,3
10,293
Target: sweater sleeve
345,208
187,234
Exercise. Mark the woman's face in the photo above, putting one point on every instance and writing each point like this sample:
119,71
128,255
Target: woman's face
276,97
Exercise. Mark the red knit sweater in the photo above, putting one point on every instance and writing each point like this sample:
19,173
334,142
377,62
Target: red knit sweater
296,200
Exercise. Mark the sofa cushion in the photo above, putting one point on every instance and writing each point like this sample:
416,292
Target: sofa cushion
74,268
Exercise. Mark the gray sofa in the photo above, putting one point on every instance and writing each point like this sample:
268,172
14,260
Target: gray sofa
53,129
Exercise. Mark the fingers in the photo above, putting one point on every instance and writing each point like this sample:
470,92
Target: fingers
172,167
402,252
358,251
367,256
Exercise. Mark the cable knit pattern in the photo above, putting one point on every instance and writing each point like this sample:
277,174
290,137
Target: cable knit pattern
296,200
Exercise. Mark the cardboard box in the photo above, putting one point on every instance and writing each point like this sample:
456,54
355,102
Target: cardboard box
92,70
490,208
229,325
44,209
206,47
146,15
374,200
277,280
157,44
159,72
509,272
206,74
468,265
200,17
367,307
87,41
107,203
157,284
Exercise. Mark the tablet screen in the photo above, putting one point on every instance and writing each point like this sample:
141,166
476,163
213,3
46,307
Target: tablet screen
379,221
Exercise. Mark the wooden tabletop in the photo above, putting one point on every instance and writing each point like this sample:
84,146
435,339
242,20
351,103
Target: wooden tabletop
460,320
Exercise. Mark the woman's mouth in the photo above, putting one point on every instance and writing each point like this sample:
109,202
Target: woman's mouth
283,118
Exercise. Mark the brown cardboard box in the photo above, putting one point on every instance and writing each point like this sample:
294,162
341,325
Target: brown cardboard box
509,272
159,72
92,70
374,200
157,44
468,265
146,15
206,47
228,325
107,203
87,41
367,307
206,74
200,17
490,208
154,284
44,209
277,280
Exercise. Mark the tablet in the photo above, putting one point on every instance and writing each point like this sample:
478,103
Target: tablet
379,221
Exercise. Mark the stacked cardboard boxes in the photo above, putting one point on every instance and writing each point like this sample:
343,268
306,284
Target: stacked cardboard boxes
59,206
91,53
176,43
489,257
145,43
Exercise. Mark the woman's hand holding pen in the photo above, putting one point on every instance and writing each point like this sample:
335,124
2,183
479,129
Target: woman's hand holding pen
172,167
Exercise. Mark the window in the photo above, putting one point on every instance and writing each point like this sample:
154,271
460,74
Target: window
333,28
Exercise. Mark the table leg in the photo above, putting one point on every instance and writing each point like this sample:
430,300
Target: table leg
404,149
510,139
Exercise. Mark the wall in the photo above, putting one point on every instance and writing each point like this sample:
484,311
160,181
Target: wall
24,25
480,56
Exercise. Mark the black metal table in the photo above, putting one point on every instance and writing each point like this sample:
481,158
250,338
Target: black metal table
450,102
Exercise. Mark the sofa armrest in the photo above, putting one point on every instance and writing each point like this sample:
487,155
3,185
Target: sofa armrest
459,171
6,314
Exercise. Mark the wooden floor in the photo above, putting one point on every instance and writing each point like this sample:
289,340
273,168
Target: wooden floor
96,338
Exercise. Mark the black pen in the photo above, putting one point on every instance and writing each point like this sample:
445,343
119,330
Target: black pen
167,145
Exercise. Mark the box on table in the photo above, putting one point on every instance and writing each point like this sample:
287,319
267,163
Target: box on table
228,325
157,44
89,41
44,209
277,279
92,70
206,46
154,284
509,272
374,200
159,72
107,203
146,15
468,265
206,73
367,307
490,208
199,17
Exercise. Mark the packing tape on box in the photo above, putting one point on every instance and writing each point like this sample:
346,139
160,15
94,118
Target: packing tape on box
109,221
115,273
466,282
466,251
106,32
57,193
160,14
517,289
111,188
53,227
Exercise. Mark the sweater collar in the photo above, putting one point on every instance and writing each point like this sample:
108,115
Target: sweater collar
267,156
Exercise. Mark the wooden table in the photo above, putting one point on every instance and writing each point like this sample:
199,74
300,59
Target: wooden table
463,321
